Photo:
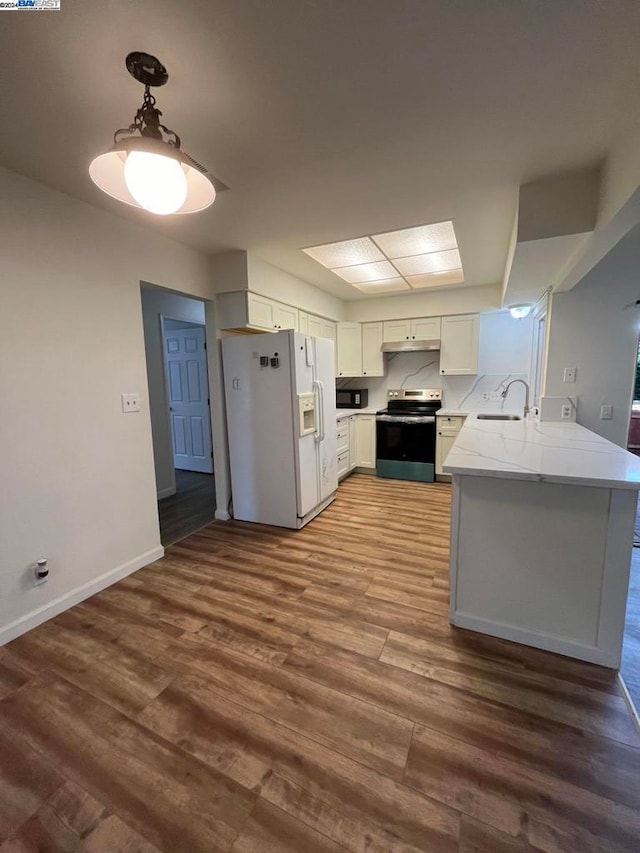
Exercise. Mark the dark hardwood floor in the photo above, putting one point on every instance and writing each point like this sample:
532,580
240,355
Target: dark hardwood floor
264,690
192,506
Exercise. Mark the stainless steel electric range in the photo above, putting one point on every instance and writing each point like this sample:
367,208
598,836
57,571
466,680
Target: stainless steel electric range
406,434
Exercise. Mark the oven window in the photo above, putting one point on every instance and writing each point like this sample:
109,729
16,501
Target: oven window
406,442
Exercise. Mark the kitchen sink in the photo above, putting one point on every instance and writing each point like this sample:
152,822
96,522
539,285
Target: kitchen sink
491,417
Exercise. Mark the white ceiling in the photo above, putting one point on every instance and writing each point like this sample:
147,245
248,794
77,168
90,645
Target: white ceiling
330,119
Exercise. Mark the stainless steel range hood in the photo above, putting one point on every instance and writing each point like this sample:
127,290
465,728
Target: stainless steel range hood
410,346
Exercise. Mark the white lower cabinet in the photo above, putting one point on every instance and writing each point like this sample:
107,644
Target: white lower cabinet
356,443
448,427
365,441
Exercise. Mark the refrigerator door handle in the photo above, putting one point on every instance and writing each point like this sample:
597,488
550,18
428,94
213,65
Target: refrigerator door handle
318,392
322,423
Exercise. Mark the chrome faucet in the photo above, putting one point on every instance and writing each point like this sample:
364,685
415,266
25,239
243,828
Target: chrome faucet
526,388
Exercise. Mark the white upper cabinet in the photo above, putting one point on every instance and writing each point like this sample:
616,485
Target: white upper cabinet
459,345
426,329
349,350
243,309
303,322
396,330
318,327
285,317
421,329
372,357
261,311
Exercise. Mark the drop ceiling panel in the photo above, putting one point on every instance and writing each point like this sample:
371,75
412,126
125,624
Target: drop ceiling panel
433,262
436,279
346,254
417,241
386,285
367,272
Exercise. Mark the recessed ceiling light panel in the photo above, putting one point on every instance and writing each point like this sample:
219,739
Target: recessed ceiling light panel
386,285
417,241
367,272
419,257
433,262
345,254
436,279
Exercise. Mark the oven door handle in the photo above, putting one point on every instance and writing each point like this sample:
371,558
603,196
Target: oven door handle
406,419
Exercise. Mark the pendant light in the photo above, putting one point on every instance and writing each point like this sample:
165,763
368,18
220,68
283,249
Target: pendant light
146,167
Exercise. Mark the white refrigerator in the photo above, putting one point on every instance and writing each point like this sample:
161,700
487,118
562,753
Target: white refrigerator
281,421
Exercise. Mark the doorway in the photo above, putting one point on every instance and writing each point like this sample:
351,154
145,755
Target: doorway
630,667
176,354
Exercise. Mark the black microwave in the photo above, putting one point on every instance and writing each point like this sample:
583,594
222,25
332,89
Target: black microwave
352,398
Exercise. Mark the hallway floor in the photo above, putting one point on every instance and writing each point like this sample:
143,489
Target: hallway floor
262,690
192,506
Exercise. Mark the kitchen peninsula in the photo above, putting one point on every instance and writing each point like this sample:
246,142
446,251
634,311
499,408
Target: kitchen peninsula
541,535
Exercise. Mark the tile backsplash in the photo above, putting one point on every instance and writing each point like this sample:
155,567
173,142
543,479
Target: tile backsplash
422,370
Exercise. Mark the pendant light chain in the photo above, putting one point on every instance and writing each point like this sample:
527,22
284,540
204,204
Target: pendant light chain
147,123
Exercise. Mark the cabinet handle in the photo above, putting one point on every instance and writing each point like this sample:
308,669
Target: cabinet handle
413,337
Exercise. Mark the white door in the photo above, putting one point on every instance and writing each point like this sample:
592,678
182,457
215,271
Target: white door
365,441
188,391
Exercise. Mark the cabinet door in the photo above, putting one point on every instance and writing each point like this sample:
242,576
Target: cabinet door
260,312
396,330
444,443
459,345
365,441
372,357
353,419
425,329
285,317
349,350
303,322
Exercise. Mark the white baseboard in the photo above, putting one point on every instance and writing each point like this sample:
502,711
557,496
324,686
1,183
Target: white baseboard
48,611
166,493
222,515
635,712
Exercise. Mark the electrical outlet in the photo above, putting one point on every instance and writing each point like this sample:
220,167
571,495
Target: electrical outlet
130,403
569,374
494,396
484,396
606,413
565,412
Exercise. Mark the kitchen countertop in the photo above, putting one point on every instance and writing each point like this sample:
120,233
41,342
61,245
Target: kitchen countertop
551,452
345,413
465,413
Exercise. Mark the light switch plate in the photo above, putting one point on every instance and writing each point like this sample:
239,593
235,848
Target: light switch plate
130,403
606,413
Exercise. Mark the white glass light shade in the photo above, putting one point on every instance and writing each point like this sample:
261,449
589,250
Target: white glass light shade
108,172
520,311
157,183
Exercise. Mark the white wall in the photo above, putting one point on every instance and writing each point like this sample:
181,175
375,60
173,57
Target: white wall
78,482
505,350
435,303
271,281
157,302
593,330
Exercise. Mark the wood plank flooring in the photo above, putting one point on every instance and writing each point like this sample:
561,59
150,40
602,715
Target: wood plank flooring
264,690
192,506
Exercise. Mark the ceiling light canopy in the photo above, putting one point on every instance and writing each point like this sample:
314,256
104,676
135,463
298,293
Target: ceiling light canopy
520,310
413,258
146,167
